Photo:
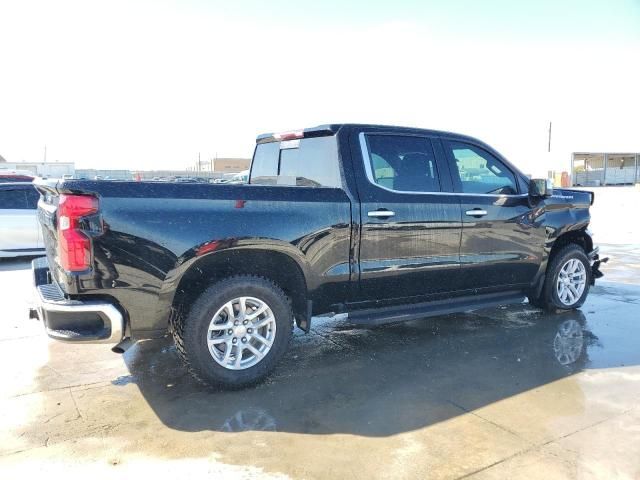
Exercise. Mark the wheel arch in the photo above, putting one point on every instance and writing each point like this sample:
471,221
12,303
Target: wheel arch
579,236
277,266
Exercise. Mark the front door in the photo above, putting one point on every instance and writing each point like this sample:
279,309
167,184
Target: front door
410,225
501,245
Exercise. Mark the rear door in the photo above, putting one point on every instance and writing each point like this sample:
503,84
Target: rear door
500,246
410,220
19,230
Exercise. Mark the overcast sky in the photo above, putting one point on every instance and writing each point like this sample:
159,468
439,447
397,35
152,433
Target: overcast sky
137,84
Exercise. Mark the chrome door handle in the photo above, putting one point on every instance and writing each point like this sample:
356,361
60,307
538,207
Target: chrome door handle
476,212
381,213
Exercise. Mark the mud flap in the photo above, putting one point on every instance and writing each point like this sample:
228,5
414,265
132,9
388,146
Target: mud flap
596,261
304,321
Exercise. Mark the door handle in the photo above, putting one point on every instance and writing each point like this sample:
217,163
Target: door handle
381,213
476,212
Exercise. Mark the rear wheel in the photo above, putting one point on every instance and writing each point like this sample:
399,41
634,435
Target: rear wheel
235,332
567,281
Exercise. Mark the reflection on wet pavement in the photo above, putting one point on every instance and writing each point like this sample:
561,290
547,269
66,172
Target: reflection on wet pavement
383,381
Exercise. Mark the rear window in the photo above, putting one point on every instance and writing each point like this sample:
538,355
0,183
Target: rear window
32,198
307,162
14,199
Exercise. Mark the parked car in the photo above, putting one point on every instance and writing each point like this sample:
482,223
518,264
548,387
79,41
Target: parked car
20,233
185,180
242,177
15,177
381,224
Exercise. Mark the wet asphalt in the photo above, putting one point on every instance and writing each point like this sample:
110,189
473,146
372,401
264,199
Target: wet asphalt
512,392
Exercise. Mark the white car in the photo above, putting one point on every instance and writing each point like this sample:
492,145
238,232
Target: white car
20,233
242,177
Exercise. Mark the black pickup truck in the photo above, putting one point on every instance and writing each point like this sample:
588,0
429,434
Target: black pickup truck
383,224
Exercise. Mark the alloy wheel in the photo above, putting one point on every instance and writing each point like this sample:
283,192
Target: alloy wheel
241,333
572,280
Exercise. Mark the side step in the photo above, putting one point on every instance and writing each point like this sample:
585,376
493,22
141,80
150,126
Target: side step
403,313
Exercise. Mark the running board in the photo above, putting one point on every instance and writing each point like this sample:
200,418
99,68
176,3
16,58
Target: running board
403,313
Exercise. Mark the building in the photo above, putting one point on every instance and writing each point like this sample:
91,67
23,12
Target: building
231,165
40,169
590,169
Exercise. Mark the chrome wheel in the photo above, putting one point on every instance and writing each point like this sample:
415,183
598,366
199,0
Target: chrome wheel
241,333
572,280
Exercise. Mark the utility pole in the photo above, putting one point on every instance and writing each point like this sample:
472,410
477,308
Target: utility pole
45,154
198,162
549,143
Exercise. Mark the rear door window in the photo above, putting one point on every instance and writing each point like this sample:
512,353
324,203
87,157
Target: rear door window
307,162
402,163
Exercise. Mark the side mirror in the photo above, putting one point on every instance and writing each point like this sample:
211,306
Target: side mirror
541,187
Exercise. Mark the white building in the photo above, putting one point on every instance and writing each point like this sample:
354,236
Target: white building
39,169
594,169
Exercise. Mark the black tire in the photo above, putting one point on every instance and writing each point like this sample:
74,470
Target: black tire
549,299
190,333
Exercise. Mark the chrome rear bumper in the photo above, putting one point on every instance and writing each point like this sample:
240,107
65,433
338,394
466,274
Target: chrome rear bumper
75,321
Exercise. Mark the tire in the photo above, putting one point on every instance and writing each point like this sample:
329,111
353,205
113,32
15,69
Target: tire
209,363
550,298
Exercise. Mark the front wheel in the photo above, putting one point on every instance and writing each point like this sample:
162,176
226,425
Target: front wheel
567,281
235,332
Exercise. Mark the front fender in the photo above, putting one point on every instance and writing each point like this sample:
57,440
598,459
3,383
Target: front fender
565,220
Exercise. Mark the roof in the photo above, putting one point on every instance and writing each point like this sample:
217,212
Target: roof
332,128
12,185
14,177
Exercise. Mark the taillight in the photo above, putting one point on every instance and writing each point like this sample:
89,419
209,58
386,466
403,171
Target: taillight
74,246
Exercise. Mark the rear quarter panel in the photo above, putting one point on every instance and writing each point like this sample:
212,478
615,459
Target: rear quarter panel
155,232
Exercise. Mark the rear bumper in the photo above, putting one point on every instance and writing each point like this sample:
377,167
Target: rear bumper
75,321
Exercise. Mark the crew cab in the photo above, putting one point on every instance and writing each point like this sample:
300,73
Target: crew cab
381,224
